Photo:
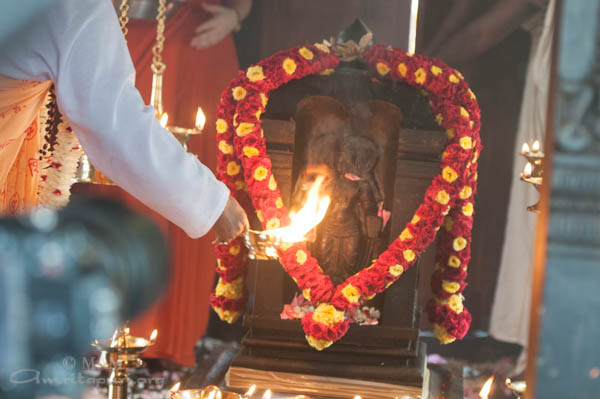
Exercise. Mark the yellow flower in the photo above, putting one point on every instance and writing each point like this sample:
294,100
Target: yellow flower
318,344
453,261
327,314
450,134
244,128
405,235
465,192
450,286
259,215
466,143
351,293
475,156
464,112
449,174
459,74
435,70
284,246
322,47
221,125
396,270
289,66
273,224
234,250
229,316
238,93
255,73
471,94
420,76
327,72
264,99
239,185
471,124
250,151
225,148
306,293
272,183
231,290
467,209
260,173
301,257
442,335
279,203
456,304
402,69
382,68
439,119
452,78
459,243
442,197
409,255
476,176
233,168
257,114
306,53
415,219
448,223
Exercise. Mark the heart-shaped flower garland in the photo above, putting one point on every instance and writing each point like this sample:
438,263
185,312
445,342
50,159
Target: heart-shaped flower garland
246,169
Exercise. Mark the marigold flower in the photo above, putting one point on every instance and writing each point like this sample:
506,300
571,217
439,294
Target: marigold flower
255,73
452,78
465,192
464,112
318,344
471,94
322,47
259,215
250,151
449,174
301,257
467,209
239,185
415,219
382,68
264,99
442,197
453,261
327,314
273,223
306,53
435,70
450,286
420,76
231,290
466,143
409,255
442,335
450,134
260,173
225,148
439,119
402,69
405,235
221,126
455,303
351,293
244,129
289,66
306,293
279,203
396,270
229,316
459,243
233,168
238,93
234,250
327,72
272,183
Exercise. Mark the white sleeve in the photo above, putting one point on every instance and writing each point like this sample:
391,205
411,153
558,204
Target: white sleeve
94,79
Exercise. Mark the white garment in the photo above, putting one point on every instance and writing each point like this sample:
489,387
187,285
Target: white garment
511,308
78,45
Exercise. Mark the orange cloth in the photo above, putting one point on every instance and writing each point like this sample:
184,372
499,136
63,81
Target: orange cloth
193,78
20,103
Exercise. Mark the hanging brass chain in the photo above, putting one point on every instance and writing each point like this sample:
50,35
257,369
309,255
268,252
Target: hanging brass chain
158,66
124,18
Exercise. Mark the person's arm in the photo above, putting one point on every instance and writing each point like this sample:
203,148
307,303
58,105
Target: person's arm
79,46
225,19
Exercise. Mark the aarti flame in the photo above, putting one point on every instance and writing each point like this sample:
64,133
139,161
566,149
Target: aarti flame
164,119
485,390
175,388
200,119
311,214
267,394
525,149
250,391
535,146
528,169
153,335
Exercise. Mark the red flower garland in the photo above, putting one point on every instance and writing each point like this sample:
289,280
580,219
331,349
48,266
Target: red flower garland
246,169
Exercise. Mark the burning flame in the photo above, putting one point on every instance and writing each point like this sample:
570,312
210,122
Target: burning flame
485,390
357,397
164,119
200,119
250,391
153,335
175,387
267,394
528,169
535,146
525,148
311,214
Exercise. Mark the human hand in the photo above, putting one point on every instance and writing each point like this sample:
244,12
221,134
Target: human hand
223,21
232,222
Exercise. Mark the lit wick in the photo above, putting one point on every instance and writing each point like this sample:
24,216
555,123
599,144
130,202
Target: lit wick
525,149
164,119
536,146
175,388
485,390
250,391
267,394
200,119
528,169
153,335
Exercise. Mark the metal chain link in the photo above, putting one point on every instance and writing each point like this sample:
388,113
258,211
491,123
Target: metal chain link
158,66
124,18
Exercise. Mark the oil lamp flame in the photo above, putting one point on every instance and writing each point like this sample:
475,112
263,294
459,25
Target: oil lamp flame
535,146
200,119
528,169
164,119
357,397
311,214
267,394
250,391
485,390
525,149
153,335
175,388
